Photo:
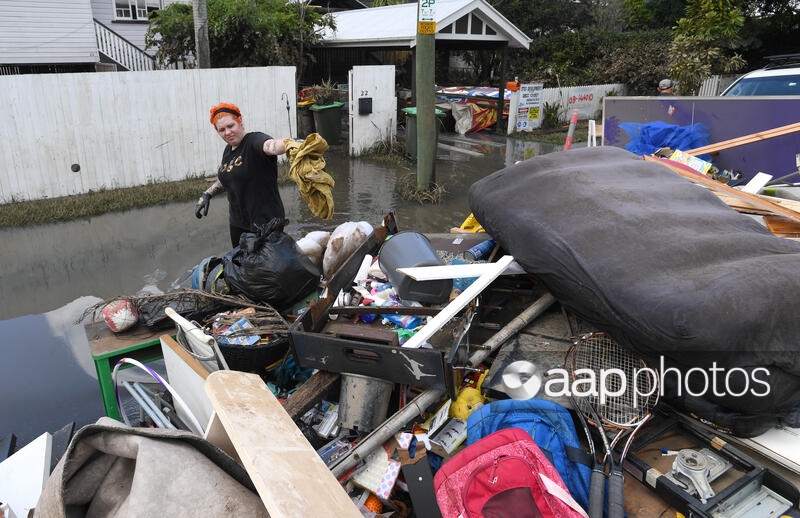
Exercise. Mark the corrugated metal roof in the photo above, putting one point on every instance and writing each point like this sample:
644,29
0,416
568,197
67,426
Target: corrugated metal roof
396,25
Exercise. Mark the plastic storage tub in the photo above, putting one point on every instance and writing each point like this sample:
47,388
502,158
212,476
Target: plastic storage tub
410,249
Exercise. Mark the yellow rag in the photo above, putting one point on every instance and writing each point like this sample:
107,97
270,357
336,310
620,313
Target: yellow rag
307,170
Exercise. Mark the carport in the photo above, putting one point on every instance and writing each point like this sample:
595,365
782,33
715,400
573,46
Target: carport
381,36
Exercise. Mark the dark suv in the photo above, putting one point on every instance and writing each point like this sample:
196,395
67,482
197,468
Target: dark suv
781,76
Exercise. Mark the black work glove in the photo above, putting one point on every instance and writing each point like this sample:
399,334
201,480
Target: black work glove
201,207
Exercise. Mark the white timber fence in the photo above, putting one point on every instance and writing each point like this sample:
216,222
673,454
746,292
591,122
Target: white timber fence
65,134
588,100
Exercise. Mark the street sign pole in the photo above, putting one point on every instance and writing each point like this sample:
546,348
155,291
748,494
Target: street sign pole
426,117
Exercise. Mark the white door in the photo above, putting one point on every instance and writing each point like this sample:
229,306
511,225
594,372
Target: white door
372,107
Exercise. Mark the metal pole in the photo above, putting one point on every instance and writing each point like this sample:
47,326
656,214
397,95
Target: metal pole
385,431
499,126
512,328
144,403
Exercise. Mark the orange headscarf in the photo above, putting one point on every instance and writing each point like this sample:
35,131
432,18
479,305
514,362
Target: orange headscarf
223,109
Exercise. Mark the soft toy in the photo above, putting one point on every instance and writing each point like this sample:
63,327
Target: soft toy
468,399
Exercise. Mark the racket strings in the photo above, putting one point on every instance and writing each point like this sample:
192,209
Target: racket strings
626,389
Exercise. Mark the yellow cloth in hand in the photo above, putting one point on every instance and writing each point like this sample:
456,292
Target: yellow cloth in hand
307,170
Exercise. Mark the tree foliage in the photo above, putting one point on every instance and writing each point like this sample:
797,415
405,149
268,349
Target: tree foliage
171,32
704,42
241,32
639,42
653,14
638,59
563,59
767,24
539,18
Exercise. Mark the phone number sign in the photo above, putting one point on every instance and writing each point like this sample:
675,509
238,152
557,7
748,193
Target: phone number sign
529,108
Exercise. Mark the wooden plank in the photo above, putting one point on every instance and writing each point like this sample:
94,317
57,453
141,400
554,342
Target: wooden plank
782,227
459,303
456,271
290,477
216,435
745,139
745,206
754,199
319,386
783,202
103,341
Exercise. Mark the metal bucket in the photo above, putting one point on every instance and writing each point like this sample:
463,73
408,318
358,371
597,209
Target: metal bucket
363,402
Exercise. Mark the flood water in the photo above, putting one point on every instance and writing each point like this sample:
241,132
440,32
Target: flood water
51,273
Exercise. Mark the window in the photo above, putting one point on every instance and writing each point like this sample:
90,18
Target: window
776,85
135,9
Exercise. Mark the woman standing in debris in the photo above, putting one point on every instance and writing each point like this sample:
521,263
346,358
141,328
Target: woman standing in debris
248,173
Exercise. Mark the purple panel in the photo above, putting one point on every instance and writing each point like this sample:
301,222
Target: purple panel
726,118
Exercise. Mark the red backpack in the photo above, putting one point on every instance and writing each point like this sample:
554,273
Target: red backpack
503,475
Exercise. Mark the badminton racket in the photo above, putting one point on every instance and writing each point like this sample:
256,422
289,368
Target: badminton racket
616,392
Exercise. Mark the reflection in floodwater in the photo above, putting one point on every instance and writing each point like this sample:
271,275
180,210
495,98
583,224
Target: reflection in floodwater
52,272
48,377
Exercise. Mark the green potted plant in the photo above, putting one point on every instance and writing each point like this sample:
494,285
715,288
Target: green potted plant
327,111
325,93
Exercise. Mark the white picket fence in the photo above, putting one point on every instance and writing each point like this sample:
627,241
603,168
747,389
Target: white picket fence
67,134
588,100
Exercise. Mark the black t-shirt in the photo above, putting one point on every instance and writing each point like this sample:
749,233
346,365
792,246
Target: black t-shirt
250,179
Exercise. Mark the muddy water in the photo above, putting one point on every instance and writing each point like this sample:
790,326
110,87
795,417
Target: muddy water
50,273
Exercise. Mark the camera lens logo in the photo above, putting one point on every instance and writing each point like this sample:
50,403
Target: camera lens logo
522,380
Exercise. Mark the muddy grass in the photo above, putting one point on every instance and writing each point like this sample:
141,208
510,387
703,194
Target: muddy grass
556,135
51,210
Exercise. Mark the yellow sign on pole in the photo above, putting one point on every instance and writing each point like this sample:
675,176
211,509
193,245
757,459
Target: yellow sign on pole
426,17
426,27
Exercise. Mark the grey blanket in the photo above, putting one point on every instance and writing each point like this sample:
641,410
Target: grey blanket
661,264
110,470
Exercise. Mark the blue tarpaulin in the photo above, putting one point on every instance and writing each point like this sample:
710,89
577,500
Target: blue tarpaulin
647,138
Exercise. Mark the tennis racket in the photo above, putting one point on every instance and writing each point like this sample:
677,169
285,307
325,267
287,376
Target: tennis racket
620,394
597,482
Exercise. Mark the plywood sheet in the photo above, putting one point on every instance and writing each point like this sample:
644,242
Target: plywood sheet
290,477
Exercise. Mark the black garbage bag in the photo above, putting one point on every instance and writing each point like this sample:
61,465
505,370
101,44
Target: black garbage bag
268,267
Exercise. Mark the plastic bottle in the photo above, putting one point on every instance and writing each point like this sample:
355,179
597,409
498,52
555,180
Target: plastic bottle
404,321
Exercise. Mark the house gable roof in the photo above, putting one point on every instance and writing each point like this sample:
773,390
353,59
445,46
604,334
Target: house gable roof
396,26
